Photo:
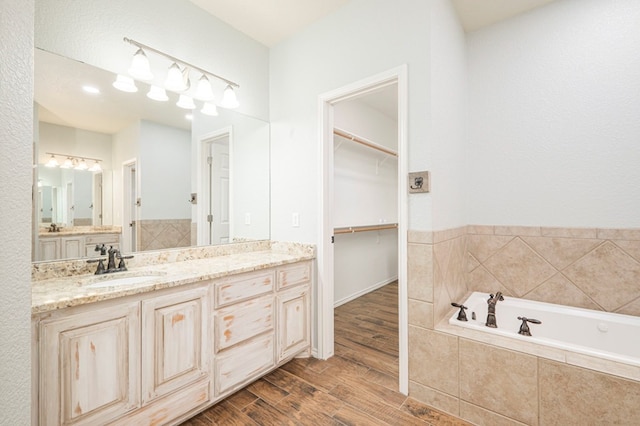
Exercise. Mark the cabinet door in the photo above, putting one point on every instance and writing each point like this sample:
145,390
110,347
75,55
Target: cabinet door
89,366
293,322
175,347
49,248
71,247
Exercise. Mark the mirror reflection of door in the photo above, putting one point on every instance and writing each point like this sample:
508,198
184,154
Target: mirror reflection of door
129,206
217,190
70,205
97,199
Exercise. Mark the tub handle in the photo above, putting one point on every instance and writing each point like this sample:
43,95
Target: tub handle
462,315
524,327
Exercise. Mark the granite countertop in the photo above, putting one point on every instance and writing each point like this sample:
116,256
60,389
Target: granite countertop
79,230
62,292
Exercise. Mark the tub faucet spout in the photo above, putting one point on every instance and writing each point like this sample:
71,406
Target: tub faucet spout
491,311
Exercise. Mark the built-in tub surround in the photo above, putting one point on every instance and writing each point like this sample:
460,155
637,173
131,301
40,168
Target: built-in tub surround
57,285
455,369
160,234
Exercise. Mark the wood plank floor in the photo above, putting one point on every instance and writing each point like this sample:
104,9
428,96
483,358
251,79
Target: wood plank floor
358,386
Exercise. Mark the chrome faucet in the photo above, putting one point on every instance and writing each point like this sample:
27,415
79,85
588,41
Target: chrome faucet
491,312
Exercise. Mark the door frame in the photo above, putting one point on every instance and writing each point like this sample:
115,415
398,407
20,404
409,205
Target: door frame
129,213
324,333
203,186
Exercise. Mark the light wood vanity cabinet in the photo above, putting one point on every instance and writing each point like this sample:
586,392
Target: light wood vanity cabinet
158,357
89,366
55,247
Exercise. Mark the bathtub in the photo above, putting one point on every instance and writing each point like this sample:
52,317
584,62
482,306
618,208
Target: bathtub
614,337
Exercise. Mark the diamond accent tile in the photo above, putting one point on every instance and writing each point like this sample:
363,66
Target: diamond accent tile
561,252
519,268
559,290
608,275
484,246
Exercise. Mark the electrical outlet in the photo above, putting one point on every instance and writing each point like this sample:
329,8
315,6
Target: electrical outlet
295,219
419,182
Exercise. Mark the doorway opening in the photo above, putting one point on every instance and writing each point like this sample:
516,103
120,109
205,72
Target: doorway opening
394,83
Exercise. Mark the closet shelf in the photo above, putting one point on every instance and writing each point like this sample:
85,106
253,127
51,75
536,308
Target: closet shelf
365,142
366,228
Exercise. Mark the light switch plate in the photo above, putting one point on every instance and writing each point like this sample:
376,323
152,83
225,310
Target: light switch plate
419,182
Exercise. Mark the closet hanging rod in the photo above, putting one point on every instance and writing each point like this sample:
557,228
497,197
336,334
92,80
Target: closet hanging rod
375,146
354,229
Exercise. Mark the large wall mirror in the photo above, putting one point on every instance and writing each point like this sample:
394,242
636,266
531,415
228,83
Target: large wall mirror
167,177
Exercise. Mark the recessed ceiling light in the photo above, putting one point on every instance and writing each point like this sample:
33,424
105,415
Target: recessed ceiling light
91,89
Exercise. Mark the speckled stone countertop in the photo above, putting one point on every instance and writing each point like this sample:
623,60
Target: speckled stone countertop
80,230
58,285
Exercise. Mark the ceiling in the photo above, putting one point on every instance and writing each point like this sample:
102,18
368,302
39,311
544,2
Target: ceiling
271,21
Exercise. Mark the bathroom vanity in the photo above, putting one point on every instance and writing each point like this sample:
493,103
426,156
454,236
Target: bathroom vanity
162,341
75,242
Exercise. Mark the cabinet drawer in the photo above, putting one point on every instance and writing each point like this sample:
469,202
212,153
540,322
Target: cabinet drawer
102,239
243,321
242,287
236,366
295,274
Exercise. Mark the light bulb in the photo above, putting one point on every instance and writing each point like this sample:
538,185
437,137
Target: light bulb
95,167
229,99
177,80
82,165
68,163
204,91
125,83
157,94
140,67
52,162
209,109
185,102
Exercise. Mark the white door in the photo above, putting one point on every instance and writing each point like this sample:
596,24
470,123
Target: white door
129,205
70,206
97,199
214,222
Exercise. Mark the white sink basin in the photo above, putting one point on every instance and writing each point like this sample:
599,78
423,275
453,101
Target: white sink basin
113,280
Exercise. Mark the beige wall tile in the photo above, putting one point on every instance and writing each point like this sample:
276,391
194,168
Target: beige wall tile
631,308
420,272
421,313
515,231
449,234
576,396
560,252
420,237
519,268
472,262
569,232
436,399
500,380
433,360
558,289
481,280
482,247
607,275
480,229
632,248
481,416
619,234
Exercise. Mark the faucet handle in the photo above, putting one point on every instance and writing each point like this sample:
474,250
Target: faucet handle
100,269
524,327
462,315
121,265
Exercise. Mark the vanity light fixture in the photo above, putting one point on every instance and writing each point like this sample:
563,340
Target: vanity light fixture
157,94
178,76
189,117
125,83
229,100
140,67
185,102
209,109
71,162
52,162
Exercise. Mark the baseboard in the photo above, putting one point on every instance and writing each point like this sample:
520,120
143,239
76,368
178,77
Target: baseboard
364,291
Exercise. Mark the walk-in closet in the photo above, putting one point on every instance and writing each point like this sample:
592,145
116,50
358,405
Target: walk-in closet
365,207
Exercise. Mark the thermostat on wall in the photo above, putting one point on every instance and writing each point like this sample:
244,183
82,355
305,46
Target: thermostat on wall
419,182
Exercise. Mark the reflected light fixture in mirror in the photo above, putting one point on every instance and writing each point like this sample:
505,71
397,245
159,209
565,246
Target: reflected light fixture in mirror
157,94
185,102
71,162
209,109
125,83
